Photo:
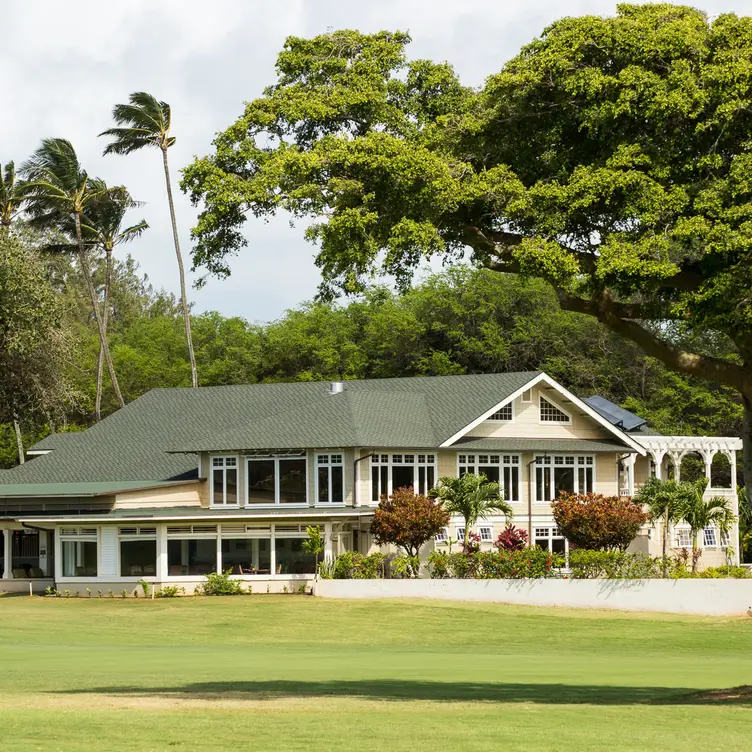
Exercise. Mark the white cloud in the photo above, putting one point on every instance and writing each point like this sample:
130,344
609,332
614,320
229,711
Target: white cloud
67,63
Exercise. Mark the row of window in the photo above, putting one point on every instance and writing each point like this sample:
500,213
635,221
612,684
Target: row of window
255,552
547,411
283,480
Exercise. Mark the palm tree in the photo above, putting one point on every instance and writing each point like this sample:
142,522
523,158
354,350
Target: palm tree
11,195
11,201
58,189
663,500
102,227
473,497
699,513
145,122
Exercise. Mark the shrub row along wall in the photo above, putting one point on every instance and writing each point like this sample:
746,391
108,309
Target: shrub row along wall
702,597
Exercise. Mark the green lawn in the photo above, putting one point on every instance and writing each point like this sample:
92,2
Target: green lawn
298,673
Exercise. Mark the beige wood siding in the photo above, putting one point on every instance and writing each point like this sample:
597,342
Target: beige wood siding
166,496
526,423
607,474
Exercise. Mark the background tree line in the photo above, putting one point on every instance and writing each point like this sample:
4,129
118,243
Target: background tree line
459,321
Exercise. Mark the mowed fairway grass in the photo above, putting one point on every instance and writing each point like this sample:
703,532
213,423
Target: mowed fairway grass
299,673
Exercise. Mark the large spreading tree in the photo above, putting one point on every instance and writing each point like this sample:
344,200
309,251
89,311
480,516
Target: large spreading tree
612,158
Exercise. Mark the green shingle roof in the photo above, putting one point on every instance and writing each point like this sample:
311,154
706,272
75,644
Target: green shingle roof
152,439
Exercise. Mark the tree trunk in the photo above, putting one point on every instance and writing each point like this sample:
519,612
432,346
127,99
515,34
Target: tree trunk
84,261
665,540
747,447
695,548
183,296
19,441
105,322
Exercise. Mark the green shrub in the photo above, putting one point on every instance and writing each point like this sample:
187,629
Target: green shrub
405,567
612,565
350,565
734,572
528,563
169,591
220,584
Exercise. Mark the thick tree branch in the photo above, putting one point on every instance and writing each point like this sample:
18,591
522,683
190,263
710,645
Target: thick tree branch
702,366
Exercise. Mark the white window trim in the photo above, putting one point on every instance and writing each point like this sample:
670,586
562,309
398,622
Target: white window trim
442,536
224,469
511,406
550,538
529,400
532,469
78,538
716,533
329,464
390,464
276,503
675,536
481,528
567,422
501,467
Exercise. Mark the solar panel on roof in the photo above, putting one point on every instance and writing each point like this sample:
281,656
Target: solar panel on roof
614,414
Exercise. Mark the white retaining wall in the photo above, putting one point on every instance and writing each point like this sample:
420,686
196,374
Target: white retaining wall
703,597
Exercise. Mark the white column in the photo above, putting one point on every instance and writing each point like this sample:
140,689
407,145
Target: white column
8,554
219,549
58,556
658,462
676,459
273,553
44,556
328,541
161,552
732,460
630,473
708,458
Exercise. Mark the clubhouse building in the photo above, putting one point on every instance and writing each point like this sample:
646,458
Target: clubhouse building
184,482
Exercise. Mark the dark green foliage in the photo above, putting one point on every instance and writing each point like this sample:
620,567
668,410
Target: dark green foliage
529,563
350,565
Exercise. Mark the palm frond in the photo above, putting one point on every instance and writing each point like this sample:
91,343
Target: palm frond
144,121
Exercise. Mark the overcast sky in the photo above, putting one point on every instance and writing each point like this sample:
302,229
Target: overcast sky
66,63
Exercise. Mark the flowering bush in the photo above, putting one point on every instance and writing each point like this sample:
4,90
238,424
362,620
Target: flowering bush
593,521
473,543
511,538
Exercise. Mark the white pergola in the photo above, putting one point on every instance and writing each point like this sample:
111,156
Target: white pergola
678,447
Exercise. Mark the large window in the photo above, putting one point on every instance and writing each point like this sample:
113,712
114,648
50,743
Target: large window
290,558
138,551
79,550
563,473
682,537
191,550
277,480
247,555
330,479
225,481
503,414
392,471
503,469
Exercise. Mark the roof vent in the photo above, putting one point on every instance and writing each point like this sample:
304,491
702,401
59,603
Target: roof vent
336,387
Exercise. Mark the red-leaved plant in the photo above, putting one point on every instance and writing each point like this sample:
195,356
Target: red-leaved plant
511,538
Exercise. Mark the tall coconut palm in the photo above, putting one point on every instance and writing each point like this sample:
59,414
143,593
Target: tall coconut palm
11,195
59,190
145,122
700,513
473,497
663,500
11,202
102,226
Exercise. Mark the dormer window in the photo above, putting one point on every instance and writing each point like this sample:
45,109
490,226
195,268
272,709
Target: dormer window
503,413
225,481
549,413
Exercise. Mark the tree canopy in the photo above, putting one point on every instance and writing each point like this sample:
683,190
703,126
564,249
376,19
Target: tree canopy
611,158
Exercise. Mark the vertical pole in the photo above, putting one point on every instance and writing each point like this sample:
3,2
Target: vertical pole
44,553
273,554
630,474
219,549
162,564
328,541
7,553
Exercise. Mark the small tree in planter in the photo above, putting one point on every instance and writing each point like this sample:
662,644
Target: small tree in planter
511,538
594,521
408,520
314,544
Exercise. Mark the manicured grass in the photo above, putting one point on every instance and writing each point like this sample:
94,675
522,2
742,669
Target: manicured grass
298,673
